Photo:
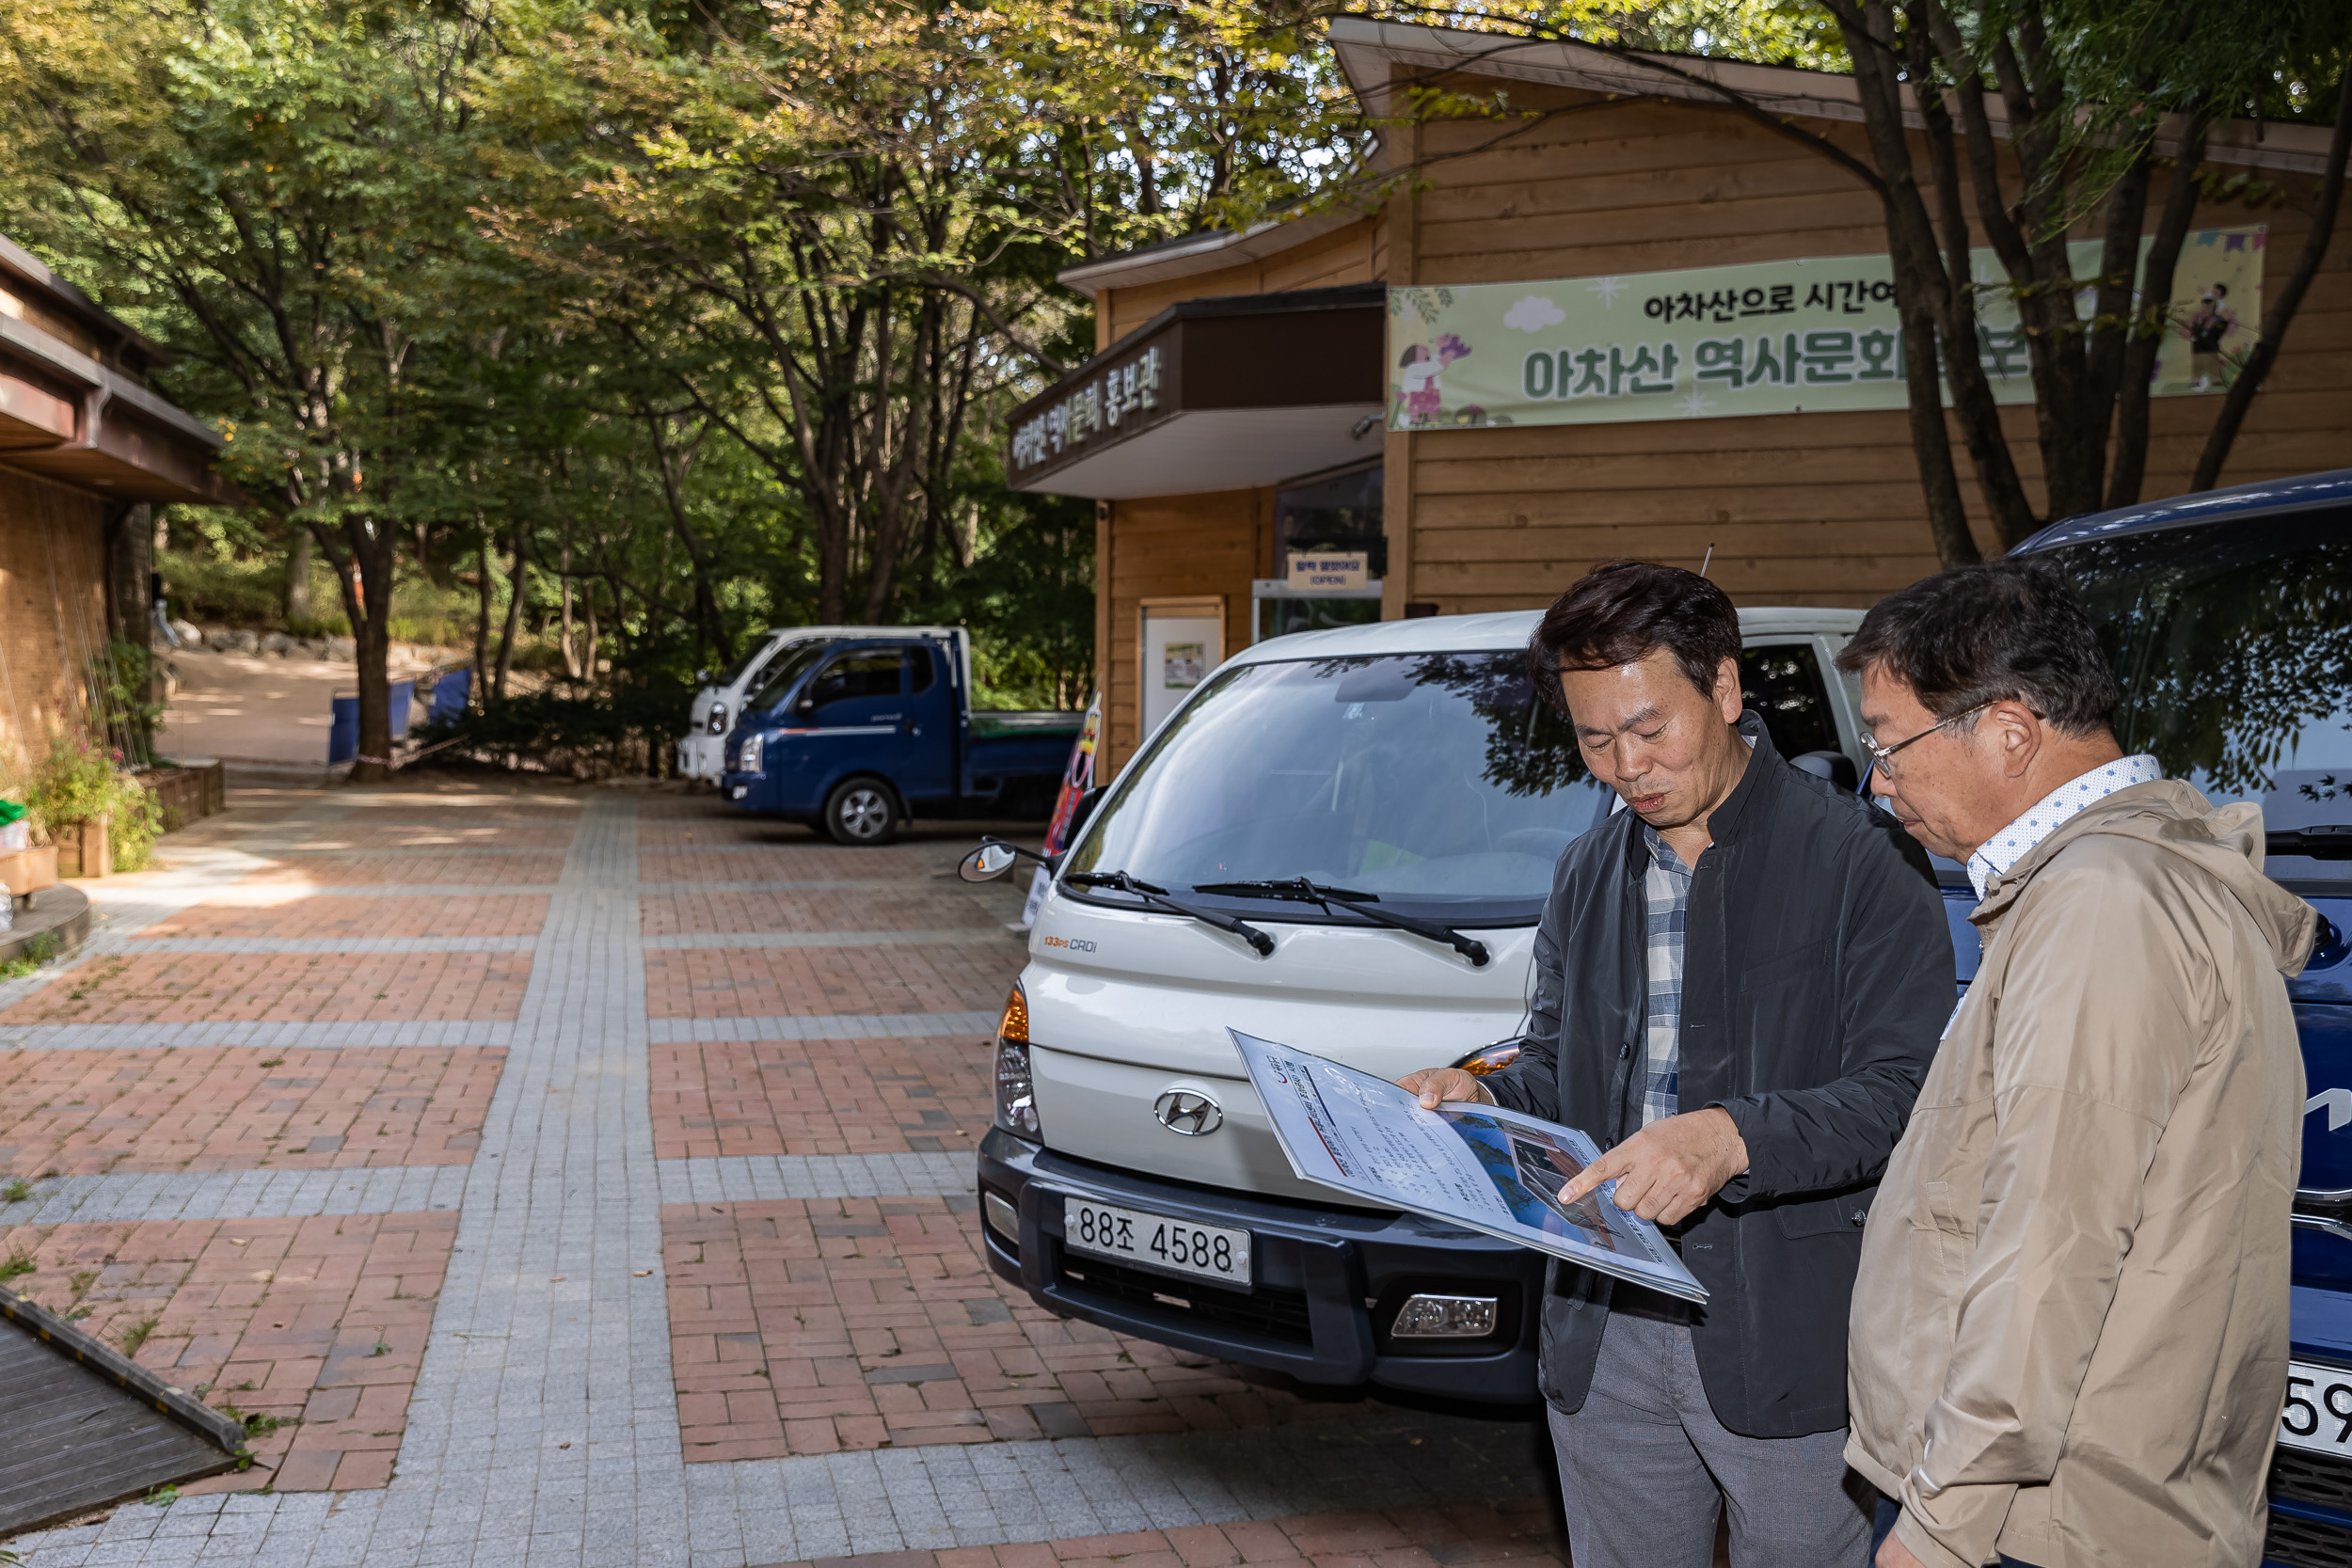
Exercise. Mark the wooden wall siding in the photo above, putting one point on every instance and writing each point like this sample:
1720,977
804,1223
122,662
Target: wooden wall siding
1801,509
1349,255
1209,545
53,608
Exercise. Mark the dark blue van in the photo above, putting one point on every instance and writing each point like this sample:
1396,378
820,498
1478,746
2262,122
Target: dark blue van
2229,615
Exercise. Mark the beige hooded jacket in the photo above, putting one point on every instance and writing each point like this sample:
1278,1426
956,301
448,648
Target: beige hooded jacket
2069,1334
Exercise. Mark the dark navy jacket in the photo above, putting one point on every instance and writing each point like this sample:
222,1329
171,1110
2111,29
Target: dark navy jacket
1817,977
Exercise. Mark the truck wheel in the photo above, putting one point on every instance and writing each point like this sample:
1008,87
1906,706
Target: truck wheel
862,812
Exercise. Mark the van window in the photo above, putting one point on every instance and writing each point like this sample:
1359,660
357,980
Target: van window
919,665
1436,782
1782,682
2233,641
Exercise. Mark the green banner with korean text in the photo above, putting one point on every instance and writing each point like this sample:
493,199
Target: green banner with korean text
1767,337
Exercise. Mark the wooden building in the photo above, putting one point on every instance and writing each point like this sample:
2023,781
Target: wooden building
1241,415
85,450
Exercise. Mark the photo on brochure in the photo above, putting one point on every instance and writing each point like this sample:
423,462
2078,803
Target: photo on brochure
1483,1167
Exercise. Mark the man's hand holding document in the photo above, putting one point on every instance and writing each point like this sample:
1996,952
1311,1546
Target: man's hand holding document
1477,1165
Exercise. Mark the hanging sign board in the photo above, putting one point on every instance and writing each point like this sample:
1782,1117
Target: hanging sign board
1765,338
1329,573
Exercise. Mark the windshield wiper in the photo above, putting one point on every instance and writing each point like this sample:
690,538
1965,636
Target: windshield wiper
1299,890
2330,841
1157,898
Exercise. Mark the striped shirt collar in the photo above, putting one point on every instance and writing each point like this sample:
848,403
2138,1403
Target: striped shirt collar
1995,855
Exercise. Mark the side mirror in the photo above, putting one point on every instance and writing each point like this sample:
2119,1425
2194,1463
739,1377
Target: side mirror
987,863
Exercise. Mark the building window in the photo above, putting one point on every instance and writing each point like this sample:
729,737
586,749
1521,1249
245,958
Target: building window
1336,514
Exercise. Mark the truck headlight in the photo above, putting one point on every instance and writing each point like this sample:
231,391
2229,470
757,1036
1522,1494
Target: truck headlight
718,718
747,755
1016,1094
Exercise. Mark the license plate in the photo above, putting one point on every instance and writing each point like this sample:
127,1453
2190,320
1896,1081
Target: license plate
1156,1242
2319,1413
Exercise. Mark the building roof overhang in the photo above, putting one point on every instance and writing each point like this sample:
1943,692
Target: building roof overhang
1212,394
68,415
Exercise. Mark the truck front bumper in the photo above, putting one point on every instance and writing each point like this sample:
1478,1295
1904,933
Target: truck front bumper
1326,1282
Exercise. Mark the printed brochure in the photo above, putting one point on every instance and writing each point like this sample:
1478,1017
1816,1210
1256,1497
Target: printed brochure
1477,1165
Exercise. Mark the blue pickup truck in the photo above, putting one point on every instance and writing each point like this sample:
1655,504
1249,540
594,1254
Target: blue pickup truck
857,734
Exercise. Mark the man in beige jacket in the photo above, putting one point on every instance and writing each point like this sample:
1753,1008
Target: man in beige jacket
2069,1340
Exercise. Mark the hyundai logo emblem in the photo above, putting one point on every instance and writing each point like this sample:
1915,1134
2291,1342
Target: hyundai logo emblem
1188,1112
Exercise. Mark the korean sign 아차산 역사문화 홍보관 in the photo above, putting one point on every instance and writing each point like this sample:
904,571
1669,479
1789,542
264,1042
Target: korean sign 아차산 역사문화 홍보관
1806,336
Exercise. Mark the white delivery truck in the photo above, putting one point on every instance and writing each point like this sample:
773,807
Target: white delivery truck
1342,840
702,751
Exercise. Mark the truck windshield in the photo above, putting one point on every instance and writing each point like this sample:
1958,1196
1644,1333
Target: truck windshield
2234,643
1434,781
786,672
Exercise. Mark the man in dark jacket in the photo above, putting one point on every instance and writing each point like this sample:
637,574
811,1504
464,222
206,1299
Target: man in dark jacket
1739,983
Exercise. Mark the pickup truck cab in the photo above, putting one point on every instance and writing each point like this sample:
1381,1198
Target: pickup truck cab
718,705
857,730
1409,768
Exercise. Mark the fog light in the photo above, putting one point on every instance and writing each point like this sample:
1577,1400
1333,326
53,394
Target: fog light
1444,1318
1002,1217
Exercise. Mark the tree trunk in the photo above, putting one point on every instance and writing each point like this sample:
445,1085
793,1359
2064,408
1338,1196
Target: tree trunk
299,576
2282,313
588,653
482,616
367,591
513,614
2152,320
571,661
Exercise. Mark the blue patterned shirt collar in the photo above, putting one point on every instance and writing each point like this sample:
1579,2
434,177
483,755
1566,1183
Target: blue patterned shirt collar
1995,855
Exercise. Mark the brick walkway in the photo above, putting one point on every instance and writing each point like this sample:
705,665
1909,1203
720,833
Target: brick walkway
582,1176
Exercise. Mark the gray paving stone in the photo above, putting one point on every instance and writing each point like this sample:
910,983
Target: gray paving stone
829,1026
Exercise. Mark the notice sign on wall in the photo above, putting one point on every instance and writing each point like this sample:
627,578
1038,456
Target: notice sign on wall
1330,573
1767,337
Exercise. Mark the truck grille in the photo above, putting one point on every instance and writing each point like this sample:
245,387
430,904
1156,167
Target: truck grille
1275,1313
2306,1544
2312,1477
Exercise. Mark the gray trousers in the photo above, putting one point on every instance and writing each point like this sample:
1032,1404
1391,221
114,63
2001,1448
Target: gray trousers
1645,1468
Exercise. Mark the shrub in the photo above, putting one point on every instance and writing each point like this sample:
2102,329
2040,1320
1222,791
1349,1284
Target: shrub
627,725
80,780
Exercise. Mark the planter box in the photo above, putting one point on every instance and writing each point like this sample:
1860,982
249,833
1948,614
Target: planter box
184,795
84,852
24,871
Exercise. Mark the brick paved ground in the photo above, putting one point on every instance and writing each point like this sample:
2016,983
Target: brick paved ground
267,911
811,1327
956,907
69,1113
288,987
311,1328
653,1184
1517,1529
877,979
818,1096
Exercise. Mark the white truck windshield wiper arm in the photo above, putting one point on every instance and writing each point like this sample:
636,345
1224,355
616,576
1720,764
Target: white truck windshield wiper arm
1157,898
1299,890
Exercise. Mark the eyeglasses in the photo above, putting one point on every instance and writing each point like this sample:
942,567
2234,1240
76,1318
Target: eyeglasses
1882,757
